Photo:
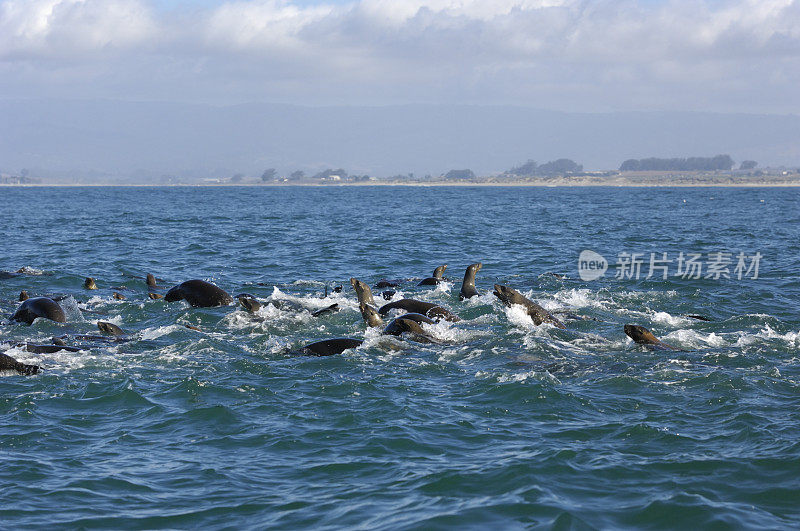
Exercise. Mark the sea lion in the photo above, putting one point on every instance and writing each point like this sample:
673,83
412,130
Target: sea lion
510,296
405,325
409,322
88,337
24,270
23,296
7,363
48,349
328,309
396,326
363,292
151,281
155,296
118,296
698,317
436,278
328,347
249,303
468,286
370,315
643,336
383,283
335,289
89,283
199,294
39,307
388,294
425,308
110,328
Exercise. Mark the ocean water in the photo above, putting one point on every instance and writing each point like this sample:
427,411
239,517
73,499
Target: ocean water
497,422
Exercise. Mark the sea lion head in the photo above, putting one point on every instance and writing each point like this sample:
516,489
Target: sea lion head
408,325
110,328
363,292
439,271
250,304
89,283
640,334
506,295
370,315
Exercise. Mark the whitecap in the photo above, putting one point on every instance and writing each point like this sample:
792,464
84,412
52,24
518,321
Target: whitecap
666,318
154,333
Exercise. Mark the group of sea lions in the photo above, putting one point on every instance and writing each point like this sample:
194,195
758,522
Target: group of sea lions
202,294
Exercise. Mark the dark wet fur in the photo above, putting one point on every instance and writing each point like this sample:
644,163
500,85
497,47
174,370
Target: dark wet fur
328,347
510,296
199,294
7,363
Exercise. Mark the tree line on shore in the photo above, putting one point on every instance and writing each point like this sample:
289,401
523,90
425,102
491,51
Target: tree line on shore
718,162
530,169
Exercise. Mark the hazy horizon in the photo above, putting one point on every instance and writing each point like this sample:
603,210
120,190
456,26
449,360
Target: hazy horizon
130,141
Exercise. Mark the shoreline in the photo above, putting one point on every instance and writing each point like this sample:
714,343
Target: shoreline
516,184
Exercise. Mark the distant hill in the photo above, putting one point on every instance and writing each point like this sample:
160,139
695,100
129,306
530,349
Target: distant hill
143,140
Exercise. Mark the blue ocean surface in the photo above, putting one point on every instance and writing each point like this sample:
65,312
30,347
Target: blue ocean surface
496,422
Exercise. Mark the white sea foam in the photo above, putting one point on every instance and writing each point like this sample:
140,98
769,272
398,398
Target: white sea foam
581,298
115,319
28,270
792,339
518,316
154,333
63,360
666,318
443,288
694,339
481,299
517,377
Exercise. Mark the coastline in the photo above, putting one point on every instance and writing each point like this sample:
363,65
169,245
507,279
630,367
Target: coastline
510,184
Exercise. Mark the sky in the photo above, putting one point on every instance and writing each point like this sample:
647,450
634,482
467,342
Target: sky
570,55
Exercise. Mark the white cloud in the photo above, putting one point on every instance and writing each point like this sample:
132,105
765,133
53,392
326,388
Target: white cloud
72,28
582,54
